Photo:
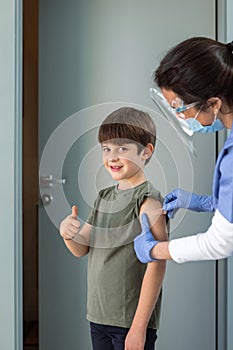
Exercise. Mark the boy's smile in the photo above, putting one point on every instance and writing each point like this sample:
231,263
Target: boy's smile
115,168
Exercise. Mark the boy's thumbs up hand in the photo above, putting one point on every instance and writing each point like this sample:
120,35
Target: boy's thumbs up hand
144,242
69,227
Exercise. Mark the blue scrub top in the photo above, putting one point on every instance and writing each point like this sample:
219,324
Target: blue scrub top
223,180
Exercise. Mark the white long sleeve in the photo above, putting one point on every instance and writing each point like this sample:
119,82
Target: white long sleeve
216,243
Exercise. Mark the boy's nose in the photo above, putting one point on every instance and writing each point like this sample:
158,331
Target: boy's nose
113,156
113,159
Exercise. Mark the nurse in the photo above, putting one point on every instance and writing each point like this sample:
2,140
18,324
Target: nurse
196,78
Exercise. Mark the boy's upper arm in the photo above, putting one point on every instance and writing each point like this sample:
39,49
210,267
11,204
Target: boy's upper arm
153,209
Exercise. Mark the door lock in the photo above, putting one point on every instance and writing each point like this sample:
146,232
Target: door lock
46,199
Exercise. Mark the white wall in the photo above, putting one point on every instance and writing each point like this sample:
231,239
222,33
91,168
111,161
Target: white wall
10,184
229,24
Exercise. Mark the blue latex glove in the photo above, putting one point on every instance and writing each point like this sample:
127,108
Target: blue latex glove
144,242
183,199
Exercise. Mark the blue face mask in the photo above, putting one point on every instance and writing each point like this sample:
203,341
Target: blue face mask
195,126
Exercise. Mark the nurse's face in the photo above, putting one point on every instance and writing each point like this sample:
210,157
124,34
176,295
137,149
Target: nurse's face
204,117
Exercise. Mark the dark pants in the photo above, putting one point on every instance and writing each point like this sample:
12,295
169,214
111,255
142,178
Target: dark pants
113,338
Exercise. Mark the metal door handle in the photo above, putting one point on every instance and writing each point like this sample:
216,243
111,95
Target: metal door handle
49,181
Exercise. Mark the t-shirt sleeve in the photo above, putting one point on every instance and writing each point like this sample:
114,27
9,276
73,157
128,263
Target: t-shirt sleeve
150,193
90,218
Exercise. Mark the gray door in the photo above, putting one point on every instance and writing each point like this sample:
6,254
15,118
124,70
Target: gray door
95,56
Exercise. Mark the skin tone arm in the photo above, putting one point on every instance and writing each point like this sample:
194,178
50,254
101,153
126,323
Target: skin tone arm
152,281
161,251
76,239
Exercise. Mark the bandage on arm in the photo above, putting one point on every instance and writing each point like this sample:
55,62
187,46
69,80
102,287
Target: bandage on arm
216,243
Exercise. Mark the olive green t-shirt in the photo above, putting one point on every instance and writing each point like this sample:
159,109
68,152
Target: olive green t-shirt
114,273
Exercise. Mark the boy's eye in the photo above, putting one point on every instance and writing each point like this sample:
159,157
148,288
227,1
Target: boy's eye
122,149
105,149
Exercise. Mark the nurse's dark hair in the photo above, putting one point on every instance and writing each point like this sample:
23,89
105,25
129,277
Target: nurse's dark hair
197,69
128,125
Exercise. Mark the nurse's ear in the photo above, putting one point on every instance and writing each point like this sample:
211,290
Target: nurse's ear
215,104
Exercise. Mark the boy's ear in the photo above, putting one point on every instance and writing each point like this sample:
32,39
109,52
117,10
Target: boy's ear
148,150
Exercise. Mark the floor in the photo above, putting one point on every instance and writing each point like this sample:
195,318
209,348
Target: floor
31,338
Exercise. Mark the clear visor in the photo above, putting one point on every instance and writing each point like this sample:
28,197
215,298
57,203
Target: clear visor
177,123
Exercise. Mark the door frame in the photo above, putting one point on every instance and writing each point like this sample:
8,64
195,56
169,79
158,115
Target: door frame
11,332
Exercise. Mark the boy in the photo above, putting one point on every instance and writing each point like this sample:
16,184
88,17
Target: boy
124,296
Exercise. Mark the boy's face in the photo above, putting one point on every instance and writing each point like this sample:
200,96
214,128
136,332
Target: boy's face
124,162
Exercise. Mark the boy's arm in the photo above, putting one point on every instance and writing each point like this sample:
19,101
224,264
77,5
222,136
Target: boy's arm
77,240
152,280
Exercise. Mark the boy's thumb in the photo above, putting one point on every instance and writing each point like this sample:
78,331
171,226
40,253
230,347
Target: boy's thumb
74,211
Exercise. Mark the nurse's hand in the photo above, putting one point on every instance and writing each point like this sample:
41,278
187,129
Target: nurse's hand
144,242
182,199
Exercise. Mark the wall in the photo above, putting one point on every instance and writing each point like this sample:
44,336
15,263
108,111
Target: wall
10,184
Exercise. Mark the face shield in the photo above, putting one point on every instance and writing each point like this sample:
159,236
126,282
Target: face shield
177,123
